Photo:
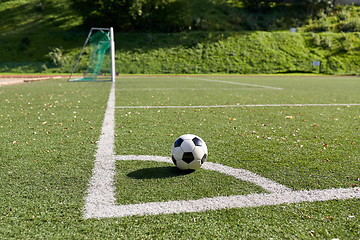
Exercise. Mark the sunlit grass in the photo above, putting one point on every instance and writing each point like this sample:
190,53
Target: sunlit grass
311,147
49,131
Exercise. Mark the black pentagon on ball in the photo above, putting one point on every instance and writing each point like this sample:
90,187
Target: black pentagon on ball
173,159
188,157
197,141
203,159
178,142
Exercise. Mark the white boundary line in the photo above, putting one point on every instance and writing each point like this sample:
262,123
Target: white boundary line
101,191
100,199
248,105
236,83
216,203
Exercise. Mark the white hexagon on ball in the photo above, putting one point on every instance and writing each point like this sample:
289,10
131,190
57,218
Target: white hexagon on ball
189,152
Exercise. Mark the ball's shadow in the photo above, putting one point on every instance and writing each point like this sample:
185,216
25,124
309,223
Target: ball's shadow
158,172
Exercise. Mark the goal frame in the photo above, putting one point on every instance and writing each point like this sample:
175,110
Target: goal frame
112,51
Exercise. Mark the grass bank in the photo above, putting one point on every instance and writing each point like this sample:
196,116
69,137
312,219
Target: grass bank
47,36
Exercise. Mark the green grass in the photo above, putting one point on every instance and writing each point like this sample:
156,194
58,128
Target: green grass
49,131
184,90
318,148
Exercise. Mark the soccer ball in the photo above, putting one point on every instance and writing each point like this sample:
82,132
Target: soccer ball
189,152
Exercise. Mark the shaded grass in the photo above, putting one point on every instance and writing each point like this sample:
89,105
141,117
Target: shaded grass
138,182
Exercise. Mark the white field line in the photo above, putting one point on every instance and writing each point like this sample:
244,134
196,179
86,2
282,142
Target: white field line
235,201
101,189
246,105
100,199
236,83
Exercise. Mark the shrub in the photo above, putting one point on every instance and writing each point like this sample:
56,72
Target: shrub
56,57
353,25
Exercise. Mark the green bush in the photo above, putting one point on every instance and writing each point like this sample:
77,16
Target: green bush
352,25
56,57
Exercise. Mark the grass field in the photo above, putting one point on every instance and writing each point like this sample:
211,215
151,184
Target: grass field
300,132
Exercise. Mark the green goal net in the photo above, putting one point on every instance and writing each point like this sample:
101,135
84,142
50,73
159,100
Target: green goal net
96,61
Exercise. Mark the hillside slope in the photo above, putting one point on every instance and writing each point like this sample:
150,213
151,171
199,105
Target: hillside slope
46,36
238,52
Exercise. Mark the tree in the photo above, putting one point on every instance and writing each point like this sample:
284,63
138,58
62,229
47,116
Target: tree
255,5
314,6
122,14
153,15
